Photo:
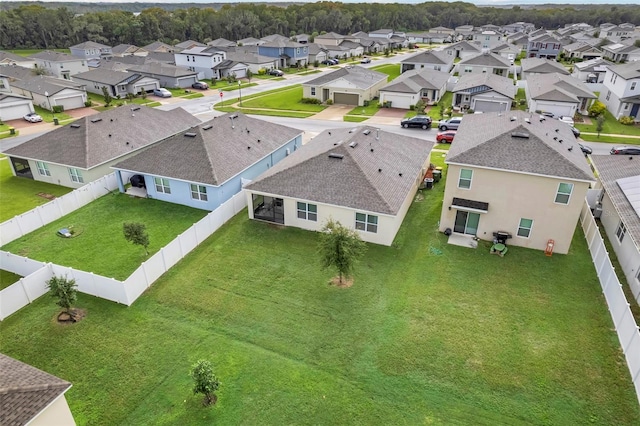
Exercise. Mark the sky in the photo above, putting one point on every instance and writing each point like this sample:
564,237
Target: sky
478,2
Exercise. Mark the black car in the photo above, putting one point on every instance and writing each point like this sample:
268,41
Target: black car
422,121
575,131
586,150
275,72
625,150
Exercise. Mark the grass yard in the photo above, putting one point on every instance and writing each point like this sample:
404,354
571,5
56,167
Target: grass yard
29,52
7,278
428,334
48,116
286,99
368,111
19,195
521,96
392,70
100,246
611,126
232,87
355,118
610,139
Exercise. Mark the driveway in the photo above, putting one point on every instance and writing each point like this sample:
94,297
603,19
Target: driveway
333,112
390,116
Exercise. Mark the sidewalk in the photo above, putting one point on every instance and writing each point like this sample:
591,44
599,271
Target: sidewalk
612,135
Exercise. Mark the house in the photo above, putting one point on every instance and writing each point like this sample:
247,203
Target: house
91,50
484,93
532,66
252,60
221,42
364,178
463,49
128,50
514,173
331,39
60,65
92,144
465,31
274,37
206,165
117,83
518,27
167,75
189,44
619,211
617,32
621,92
382,33
249,41
289,53
435,60
410,87
232,68
591,71
620,52
543,46
202,60
47,92
302,38
442,30
317,53
507,51
486,39
31,396
519,40
160,47
8,58
347,85
581,50
370,44
12,106
559,94
489,63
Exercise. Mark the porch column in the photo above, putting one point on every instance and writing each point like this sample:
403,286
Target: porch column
119,179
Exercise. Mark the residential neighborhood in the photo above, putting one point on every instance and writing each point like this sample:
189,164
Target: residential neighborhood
346,220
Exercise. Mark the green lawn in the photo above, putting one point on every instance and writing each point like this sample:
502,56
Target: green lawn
610,139
230,87
48,116
354,118
520,95
369,110
7,278
19,195
100,246
392,70
29,52
287,99
429,334
611,126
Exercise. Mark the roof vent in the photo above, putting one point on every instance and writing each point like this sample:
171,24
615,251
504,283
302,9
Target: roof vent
560,140
95,120
366,132
248,147
400,174
353,144
207,127
190,135
135,109
379,170
557,130
514,118
248,131
75,126
555,138
570,148
233,116
520,135
338,156
109,134
526,120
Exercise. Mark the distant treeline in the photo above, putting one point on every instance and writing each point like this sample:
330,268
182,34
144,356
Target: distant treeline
32,26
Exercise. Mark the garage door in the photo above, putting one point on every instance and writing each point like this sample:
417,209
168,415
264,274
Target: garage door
397,101
71,102
186,81
556,109
14,112
149,87
345,98
489,106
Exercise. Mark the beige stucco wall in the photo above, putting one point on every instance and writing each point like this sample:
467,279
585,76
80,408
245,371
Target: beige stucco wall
343,86
512,196
58,413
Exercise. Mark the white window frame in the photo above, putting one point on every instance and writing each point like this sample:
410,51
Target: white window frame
460,178
307,211
633,85
198,192
520,226
558,193
638,275
75,175
621,231
313,91
367,224
43,169
162,185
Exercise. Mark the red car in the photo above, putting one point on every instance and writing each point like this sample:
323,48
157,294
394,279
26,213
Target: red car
446,136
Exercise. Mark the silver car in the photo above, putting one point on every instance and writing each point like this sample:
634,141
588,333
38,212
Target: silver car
450,124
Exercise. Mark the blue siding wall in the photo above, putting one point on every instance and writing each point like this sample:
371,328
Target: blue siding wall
272,52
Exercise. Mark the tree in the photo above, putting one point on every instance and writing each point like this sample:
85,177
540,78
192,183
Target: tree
340,247
249,75
205,382
599,124
136,233
420,106
65,290
107,96
596,109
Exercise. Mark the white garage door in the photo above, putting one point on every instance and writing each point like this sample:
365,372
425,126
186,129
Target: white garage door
556,109
186,81
149,87
14,112
397,101
490,106
71,102
240,73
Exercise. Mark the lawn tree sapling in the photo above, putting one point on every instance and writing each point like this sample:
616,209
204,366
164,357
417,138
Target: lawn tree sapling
340,248
204,381
136,233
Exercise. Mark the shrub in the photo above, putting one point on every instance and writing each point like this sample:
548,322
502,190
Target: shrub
57,108
262,71
329,101
626,120
366,103
88,103
412,107
310,101
598,108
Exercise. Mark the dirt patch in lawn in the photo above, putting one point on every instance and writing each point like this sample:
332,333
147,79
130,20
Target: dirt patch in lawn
46,195
346,282
72,317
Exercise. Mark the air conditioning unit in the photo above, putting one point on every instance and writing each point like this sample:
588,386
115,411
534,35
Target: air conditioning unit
597,212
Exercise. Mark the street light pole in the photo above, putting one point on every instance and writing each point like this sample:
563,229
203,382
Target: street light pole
50,108
240,88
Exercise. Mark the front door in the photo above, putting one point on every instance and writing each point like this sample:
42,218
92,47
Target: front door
466,223
634,110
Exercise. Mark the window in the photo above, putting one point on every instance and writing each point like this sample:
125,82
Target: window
564,193
465,178
633,86
638,275
524,228
608,94
298,51
621,231
43,169
468,69
437,67
198,192
313,91
162,185
307,211
76,176
366,222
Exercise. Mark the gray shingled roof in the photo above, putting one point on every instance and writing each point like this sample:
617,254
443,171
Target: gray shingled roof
215,155
464,45
17,72
248,40
122,48
541,65
486,59
25,391
90,45
248,57
331,36
119,132
502,85
221,42
282,43
156,45
11,56
374,176
627,71
429,57
486,140
592,64
107,76
189,43
611,168
48,55
557,87
414,81
42,85
158,68
361,77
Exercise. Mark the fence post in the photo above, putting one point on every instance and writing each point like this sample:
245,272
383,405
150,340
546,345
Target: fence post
144,271
26,293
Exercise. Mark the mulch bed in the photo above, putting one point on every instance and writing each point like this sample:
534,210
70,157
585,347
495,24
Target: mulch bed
346,282
75,316
46,195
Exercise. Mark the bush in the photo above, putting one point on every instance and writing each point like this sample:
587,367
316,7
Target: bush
262,71
366,103
329,101
88,103
412,107
598,108
310,101
57,109
626,120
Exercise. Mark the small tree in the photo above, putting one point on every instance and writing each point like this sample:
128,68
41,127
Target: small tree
249,75
107,96
599,124
420,106
205,382
136,233
340,247
65,290
596,109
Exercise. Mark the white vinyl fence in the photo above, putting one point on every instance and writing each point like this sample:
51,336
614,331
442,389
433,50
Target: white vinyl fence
626,327
37,273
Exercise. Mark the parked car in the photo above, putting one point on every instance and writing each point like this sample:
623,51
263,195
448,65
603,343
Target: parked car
586,150
334,61
421,121
625,150
162,93
200,85
365,60
276,72
575,131
566,119
450,124
32,117
327,62
446,136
